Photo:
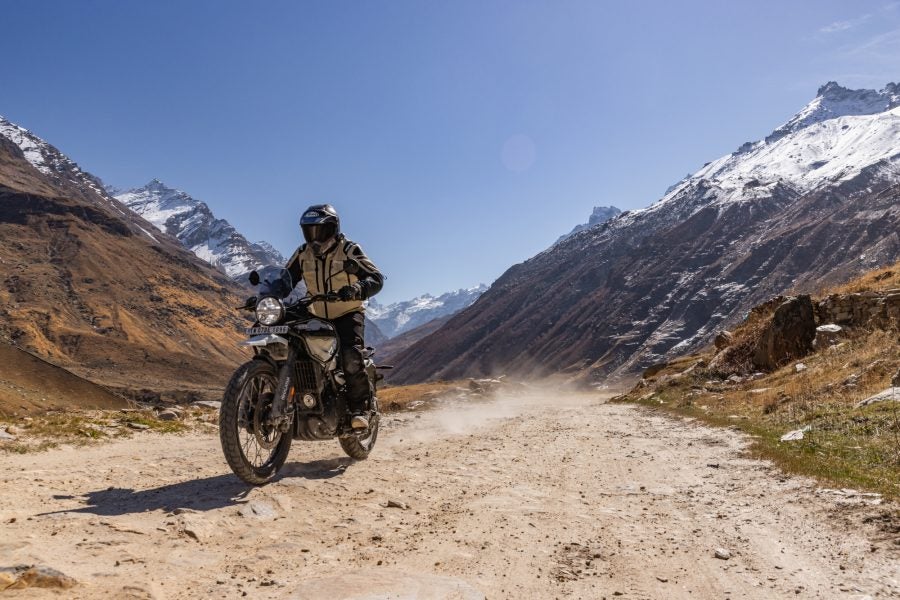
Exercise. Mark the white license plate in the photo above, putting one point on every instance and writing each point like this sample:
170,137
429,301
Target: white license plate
266,330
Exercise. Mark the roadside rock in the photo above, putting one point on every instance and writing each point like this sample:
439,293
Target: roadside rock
4,436
196,526
793,436
800,367
138,426
256,509
827,335
889,395
722,554
39,577
788,336
215,404
168,415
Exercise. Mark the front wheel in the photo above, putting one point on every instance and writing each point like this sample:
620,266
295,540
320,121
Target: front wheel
254,449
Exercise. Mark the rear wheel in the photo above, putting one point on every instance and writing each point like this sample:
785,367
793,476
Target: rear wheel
254,449
359,445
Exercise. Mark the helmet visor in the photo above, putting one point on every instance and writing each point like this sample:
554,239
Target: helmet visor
319,232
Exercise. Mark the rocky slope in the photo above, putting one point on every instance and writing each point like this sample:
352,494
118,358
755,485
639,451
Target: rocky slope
400,317
192,222
600,214
816,201
96,289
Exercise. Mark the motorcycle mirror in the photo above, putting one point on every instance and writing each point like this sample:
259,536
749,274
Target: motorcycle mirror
351,266
254,278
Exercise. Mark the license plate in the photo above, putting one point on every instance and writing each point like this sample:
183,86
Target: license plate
266,330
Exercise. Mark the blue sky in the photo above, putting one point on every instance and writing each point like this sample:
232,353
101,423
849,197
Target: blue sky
456,138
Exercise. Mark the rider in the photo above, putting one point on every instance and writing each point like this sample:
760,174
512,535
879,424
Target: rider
321,264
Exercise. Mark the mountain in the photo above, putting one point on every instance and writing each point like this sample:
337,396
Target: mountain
192,222
390,348
815,202
601,214
399,317
94,288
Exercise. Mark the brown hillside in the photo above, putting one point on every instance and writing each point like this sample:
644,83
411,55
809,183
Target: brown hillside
84,286
29,385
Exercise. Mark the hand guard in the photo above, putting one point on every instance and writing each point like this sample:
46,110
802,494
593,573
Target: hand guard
350,292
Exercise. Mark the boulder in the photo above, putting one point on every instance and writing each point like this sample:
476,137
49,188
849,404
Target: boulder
888,395
788,336
827,335
723,339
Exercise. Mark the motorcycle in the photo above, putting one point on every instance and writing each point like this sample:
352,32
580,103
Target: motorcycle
293,388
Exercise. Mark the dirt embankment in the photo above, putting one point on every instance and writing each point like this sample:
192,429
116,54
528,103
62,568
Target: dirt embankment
539,496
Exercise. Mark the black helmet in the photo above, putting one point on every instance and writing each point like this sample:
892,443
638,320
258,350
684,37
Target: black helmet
320,225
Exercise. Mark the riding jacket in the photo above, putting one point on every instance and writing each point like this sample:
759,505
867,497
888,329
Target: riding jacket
323,274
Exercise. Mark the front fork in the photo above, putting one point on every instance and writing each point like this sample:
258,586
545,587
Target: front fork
282,406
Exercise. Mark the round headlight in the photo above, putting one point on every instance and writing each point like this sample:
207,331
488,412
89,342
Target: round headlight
269,311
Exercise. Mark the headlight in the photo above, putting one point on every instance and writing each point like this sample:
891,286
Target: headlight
269,311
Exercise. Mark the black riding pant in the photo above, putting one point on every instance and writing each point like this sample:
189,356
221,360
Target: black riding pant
350,330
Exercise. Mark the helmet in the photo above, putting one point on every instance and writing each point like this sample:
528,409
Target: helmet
320,225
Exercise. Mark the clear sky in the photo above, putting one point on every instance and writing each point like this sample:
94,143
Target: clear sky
455,138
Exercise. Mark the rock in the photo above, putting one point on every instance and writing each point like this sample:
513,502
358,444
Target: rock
797,434
895,380
7,578
760,390
653,370
827,335
851,381
800,367
889,395
723,339
788,336
197,527
209,404
256,509
8,437
138,426
722,554
42,577
168,415
735,379
397,504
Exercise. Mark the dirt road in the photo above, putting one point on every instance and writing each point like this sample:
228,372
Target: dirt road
546,496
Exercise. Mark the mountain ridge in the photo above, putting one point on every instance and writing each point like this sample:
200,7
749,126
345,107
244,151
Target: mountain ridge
816,204
399,317
193,223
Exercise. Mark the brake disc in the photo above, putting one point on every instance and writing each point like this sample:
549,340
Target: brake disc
261,429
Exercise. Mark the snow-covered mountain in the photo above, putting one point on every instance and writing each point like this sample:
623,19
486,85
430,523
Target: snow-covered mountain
394,319
62,172
600,214
814,202
192,222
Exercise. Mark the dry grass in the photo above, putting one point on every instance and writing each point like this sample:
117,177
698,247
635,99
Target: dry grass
845,445
886,278
399,397
80,428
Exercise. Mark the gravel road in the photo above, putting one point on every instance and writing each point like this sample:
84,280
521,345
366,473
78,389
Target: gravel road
547,495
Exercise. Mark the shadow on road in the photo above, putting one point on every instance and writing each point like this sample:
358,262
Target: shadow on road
204,494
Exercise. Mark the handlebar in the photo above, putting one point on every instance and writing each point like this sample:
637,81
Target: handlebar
305,301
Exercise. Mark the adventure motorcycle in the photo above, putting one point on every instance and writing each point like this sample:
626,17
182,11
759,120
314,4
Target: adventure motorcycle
293,388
